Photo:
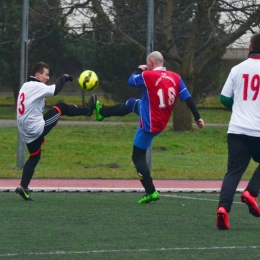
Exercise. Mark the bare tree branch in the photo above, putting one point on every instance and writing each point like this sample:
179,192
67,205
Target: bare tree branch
215,49
114,29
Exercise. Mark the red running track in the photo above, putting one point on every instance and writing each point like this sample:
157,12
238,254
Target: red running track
117,185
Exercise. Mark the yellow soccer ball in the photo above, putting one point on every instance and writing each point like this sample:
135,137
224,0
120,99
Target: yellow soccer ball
88,80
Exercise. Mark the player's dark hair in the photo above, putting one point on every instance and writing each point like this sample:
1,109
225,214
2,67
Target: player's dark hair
39,67
255,42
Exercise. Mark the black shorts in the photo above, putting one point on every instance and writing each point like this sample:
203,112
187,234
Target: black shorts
51,119
244,146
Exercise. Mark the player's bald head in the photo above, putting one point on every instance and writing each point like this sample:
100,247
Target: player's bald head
157,57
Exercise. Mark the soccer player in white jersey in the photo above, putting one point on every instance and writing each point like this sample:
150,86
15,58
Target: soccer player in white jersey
33,126
241,94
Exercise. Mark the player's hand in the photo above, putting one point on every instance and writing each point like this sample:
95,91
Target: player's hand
68,77
200,123
143,67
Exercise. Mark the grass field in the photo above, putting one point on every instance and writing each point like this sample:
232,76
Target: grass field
95,151
105,151
99,226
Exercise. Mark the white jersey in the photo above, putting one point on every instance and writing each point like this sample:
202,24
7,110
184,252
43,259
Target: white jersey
30,106
243,84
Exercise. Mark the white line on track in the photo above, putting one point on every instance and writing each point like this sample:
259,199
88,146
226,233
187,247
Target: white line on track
131,250
193,198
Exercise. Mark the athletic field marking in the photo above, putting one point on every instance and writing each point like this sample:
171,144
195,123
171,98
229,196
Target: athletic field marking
193,198
131,250
183,197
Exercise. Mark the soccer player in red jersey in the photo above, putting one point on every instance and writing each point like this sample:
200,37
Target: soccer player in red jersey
161,88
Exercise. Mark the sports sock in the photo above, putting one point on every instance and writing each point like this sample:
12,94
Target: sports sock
28,169
71,110
116,110
139,160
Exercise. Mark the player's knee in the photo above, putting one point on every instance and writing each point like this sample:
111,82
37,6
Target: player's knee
141,166
61,107
135,159
35,158
138,157
130,104
138,162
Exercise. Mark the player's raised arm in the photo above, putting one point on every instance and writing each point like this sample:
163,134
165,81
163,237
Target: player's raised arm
60,84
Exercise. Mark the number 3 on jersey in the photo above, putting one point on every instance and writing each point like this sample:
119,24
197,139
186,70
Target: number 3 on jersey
20,104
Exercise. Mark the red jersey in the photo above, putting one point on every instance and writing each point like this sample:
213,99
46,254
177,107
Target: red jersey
161,89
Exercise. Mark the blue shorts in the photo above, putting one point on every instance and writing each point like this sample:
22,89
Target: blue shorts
144,139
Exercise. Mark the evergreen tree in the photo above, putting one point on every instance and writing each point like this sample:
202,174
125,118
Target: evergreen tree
48,35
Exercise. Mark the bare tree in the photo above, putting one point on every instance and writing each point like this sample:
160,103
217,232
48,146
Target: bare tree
190,34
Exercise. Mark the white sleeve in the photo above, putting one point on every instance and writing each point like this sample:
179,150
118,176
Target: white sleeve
45,90
228,89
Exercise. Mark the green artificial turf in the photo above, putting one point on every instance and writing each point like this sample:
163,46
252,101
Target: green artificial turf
101,226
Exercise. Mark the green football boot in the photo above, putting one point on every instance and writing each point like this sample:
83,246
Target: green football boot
98,107
149,197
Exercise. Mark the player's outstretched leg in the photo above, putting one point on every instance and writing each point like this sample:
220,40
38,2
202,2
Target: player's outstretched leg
70,110
122,109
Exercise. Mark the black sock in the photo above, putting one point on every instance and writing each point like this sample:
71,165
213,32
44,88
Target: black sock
116,110
72,110
143,170
28,170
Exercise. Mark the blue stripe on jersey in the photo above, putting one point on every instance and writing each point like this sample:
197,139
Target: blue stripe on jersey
136,80
184,92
